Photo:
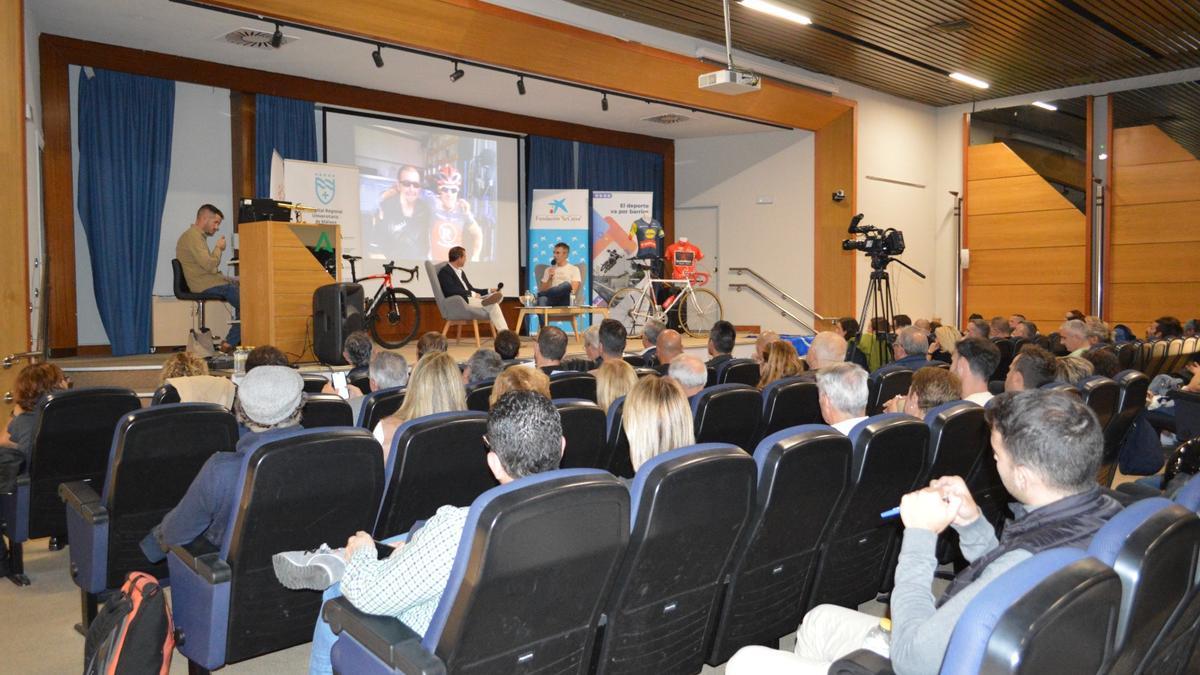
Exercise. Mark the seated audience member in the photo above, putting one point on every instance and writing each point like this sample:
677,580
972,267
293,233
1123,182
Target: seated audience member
387,370
826,349
269,402
999,328
930,388
508,345
974,316
1074,315
873,343
1123,333
720,343
34,383
690,373
357,350
549,349
670,346
435,386
519,379
1098,333
452,278
560,281
1191,328
911,349
657,419
524,434
266,355
781,361
1032,367
431,342
1048,447
975,360
847,328
761,343
591,344
1073,370
650,341
614,379
1014,321
926,327
612,340
842,395
1074,337
978,328
1164,328
1026,330
483,366
900,321
942,347
188,374
1104,362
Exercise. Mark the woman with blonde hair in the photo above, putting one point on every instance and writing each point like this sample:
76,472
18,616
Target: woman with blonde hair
435,386
188,374
519,378
780,360
656,419
941,348
614,379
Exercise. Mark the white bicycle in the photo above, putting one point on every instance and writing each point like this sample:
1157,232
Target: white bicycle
693,309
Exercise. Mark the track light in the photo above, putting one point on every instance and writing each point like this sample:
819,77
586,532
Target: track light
277,37
521,85
457,74
604,102
1044,106
967,79
377,56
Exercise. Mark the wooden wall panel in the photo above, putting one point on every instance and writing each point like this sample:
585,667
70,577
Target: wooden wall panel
1018,194
1147,223
14,272
1060,227
1051,265
1147,145
833,268
996,160
1044,304
1136,305
1160,262
1156,183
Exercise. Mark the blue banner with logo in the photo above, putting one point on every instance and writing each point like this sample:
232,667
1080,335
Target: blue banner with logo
559,217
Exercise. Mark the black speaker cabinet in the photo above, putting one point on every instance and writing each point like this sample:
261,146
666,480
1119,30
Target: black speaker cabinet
337,312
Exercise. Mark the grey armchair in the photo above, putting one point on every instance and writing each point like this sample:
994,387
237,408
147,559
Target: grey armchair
454,310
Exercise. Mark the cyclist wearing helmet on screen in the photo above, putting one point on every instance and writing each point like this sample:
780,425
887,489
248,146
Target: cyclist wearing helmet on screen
453,222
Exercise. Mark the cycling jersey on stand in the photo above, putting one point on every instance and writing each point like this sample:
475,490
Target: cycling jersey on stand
683,256
649,236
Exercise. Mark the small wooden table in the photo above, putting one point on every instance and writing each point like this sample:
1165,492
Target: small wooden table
572,311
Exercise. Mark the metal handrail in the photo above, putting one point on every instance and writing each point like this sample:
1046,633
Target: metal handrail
12,359
740,287
780,291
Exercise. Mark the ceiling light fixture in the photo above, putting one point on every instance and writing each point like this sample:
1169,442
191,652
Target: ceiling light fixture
1044,106
604,102
775,10
1103,156
277,37
967,79
457,74
377,56
521,85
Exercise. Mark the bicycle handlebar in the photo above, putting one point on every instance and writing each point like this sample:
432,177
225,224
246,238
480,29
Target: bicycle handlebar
413,272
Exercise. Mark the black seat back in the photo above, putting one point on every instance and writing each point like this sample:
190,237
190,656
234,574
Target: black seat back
478,395
297,491
1007,350
738,371
1131,399
882,387
165,394
958,437
889,460
363,383
1127,353
635,360
156,453
314,382
617,444
788,402
803,475
72,438
1065,387
326,410
1156,360
180,285
435,460
584,428
573,385
378,405
727,413
696,499
1103,396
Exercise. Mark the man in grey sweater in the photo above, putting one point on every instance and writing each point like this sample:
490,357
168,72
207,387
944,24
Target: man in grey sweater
1047,447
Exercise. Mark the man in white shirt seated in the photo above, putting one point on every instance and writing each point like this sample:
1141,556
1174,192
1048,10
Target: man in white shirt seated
975,360
842,395
560,280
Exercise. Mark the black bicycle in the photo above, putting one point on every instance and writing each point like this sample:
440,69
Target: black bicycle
393,315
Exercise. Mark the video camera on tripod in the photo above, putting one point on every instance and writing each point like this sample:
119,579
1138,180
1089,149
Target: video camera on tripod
876,242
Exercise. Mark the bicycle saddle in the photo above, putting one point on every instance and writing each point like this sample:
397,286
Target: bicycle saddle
351,258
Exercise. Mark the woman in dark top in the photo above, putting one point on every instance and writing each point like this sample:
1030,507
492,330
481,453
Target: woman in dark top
34,382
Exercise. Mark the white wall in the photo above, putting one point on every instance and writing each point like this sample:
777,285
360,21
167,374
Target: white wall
731,173
201,171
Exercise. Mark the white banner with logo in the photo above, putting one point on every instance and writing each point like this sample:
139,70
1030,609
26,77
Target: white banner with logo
615,216
330,189
558,216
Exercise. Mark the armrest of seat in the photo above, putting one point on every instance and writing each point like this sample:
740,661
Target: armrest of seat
204,560
200,592
366,637
80,497
862,662
14,510
87,530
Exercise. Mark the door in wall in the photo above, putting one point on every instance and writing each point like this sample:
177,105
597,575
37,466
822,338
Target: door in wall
700,224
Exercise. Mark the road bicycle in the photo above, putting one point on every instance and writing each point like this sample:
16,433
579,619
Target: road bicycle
393,315
692,309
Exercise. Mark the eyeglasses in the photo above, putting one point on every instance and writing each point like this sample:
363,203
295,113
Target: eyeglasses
410,184
448,190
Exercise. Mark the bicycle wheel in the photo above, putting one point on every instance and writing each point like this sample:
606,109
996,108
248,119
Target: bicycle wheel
632,308
698,311
396,319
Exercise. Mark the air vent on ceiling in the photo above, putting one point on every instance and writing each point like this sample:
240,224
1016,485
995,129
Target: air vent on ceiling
954,25
667,118
252,37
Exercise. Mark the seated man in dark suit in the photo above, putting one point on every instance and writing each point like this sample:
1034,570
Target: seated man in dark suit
549,349
911,345
650,341
720,343
453,281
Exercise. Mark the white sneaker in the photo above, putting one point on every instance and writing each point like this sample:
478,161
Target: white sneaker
314,570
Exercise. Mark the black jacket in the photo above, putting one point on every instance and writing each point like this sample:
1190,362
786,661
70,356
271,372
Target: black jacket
452,286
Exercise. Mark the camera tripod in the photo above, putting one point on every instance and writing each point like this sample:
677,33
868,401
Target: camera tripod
879,301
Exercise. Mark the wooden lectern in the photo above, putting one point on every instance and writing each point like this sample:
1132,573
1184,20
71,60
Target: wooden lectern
280,267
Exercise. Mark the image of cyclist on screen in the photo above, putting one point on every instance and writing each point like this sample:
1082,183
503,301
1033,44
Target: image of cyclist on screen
453,222
403,220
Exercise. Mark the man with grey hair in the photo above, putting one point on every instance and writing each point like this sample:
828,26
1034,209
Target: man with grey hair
483,366
842,395
1074,336
388,370
910,348
1098,333
827,348
650,341
690,372
591,344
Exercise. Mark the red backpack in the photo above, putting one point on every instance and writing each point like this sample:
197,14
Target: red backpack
133,633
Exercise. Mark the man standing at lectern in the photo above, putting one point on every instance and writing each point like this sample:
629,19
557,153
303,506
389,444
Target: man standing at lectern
454,281
200,266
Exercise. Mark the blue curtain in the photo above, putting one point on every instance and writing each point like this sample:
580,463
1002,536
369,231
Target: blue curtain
125,125
610,169
550,165
284,124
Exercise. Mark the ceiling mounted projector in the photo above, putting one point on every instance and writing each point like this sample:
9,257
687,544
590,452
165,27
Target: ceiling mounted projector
730,82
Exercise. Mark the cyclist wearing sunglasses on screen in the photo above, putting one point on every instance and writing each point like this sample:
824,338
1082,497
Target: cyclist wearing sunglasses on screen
404,217
453,222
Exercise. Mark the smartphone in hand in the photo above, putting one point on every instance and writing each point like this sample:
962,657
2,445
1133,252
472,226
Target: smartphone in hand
339,384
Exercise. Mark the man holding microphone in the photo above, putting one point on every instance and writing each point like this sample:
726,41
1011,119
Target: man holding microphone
200,266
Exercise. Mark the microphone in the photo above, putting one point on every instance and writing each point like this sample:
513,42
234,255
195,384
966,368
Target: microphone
854,223
500,286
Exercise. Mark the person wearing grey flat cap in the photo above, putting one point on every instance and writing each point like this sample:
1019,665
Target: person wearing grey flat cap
269,401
